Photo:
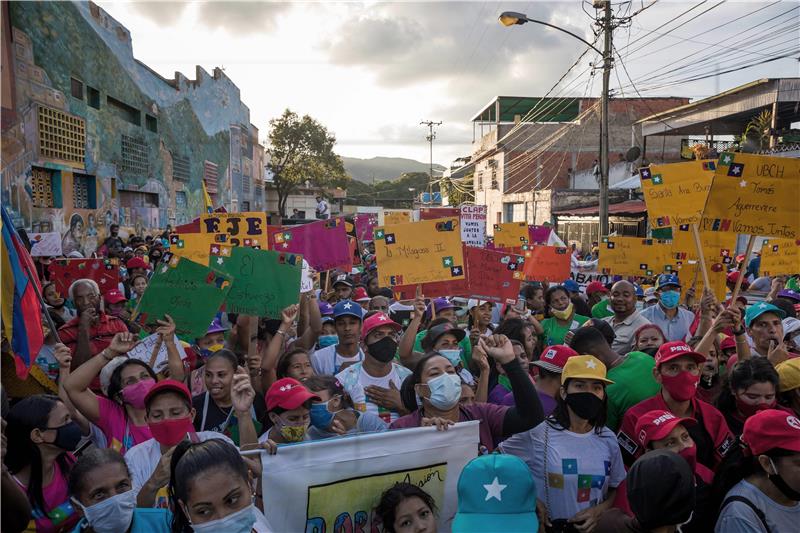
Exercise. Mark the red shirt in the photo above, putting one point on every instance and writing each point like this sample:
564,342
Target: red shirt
100,336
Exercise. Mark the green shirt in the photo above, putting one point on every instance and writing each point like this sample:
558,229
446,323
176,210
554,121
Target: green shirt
554,333
601,310
633,382
466,347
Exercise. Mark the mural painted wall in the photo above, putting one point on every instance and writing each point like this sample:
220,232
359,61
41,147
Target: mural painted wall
100,137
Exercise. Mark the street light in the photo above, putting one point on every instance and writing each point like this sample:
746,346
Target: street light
512,18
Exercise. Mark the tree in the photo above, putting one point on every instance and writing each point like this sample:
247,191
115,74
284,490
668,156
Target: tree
758,127
300,150
458,190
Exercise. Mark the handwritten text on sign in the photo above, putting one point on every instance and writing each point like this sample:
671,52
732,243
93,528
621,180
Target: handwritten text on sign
511,235
676,193
634,256
242,228
494,276
780,257
547,263
755,195
473,225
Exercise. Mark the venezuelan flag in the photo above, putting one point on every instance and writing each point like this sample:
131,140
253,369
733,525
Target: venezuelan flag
21,311
207,199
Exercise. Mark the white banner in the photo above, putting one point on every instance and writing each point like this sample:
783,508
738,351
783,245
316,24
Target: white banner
334,484
584,278
473,225
45,244
144,352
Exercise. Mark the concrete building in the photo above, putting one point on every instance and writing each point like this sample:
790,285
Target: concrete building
90,135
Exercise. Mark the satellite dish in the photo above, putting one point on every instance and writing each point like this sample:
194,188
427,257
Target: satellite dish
633,154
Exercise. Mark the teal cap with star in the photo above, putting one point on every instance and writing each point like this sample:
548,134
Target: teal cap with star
496,490
755,311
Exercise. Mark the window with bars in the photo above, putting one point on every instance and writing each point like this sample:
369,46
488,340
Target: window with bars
245,206
137,199
246,184
151,123
84,193
210,176
180,168
76,88
134,155
42,191
93,97
61,136
181,200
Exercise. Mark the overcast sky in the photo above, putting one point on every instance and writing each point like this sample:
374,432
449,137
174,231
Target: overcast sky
371,71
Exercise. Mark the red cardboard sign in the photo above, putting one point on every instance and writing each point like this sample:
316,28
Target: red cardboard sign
547,263
63,272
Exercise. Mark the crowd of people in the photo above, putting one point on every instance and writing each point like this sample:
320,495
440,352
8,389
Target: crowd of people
633,406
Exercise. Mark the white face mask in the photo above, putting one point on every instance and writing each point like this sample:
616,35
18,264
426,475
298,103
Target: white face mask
239,522
111,515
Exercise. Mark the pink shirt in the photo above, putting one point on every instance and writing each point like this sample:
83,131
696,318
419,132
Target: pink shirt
121,435
58,514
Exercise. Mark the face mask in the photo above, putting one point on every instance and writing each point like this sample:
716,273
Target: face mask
291,433
239,522
328,340
383,350
171,432
681,387
781,484
134,394
445,391
709,382
670,299
690,454
563,315
585,404
321,417
650,351
749,409
67,436
454,356
112,514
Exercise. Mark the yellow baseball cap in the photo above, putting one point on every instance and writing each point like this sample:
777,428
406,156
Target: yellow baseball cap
584,367
789,374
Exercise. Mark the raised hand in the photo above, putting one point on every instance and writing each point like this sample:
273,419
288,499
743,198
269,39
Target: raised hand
289,314
498,347
122,343
242,392
166,328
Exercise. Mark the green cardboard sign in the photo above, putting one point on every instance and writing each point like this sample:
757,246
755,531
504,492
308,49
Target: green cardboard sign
264,282
187,291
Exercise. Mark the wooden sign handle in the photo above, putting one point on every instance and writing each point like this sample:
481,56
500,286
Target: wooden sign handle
750,244
700,255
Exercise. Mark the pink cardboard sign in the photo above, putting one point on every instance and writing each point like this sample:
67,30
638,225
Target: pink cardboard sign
323,244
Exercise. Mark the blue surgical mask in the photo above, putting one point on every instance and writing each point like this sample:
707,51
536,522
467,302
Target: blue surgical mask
454,356
112,514
328,340
321,417
239,522
670,299
445,391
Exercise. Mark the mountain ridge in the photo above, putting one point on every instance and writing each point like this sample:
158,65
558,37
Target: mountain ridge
382,168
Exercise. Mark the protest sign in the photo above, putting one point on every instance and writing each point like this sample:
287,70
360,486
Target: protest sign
395,216
511,235
539,234
634,256
45,244
754,195
364,223
419,252
491,275
780,257
584,277
105,272
264,282
547,263
307,277
676,193
187,291
323,244
719,250
242,229
473,225
429,213
335,484
143,351
192,246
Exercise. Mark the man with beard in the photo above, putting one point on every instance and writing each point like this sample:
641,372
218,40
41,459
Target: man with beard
91,331
626,319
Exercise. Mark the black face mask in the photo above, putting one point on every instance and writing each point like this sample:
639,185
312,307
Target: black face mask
383,350
708,382
67,436
650,351
782,486
585,404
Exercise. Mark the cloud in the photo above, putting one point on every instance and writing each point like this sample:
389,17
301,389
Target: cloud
234,17
166,13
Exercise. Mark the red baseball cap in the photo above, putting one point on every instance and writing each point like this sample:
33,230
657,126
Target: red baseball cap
728,343
289,394
594,287
136,262
672,350
360,295
114,297
734,276
376,321
657,424
554,357
770,429
168,385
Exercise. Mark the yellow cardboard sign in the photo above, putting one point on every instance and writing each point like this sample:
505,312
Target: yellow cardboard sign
780,257
676,193
511,235
719,250
635,256
242,229
754,195
396,216
353,501
193,246
419,252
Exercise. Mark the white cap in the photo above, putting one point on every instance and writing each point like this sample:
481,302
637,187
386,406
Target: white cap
790,325
475,303
105,373
650,294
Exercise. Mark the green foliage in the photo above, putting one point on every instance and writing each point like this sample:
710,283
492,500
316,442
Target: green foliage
389,193
458,191
300,150
759,128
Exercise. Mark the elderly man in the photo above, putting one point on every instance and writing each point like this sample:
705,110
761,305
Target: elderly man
765,328
674,321
91,331
626,319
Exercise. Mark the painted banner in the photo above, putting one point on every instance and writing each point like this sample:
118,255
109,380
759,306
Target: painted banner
634,256
547,263
429,213
323,243
419,252
189,292
243,229
755,195
473,225
676,193
780,257
335,484
45,244
539,234
365,223
143,351
511,235
103,271
264,282
395,216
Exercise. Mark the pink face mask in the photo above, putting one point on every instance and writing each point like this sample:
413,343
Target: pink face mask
134,394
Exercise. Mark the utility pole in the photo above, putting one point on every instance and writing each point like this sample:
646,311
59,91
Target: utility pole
431,136
604,148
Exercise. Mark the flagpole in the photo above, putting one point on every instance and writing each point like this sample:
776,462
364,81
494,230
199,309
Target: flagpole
42,303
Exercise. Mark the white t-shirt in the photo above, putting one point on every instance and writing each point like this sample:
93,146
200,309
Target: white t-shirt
328,362
355,379
322,207
581,468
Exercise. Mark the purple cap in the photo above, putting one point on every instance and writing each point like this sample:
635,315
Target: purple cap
325,309
215,327
790,295
440,304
